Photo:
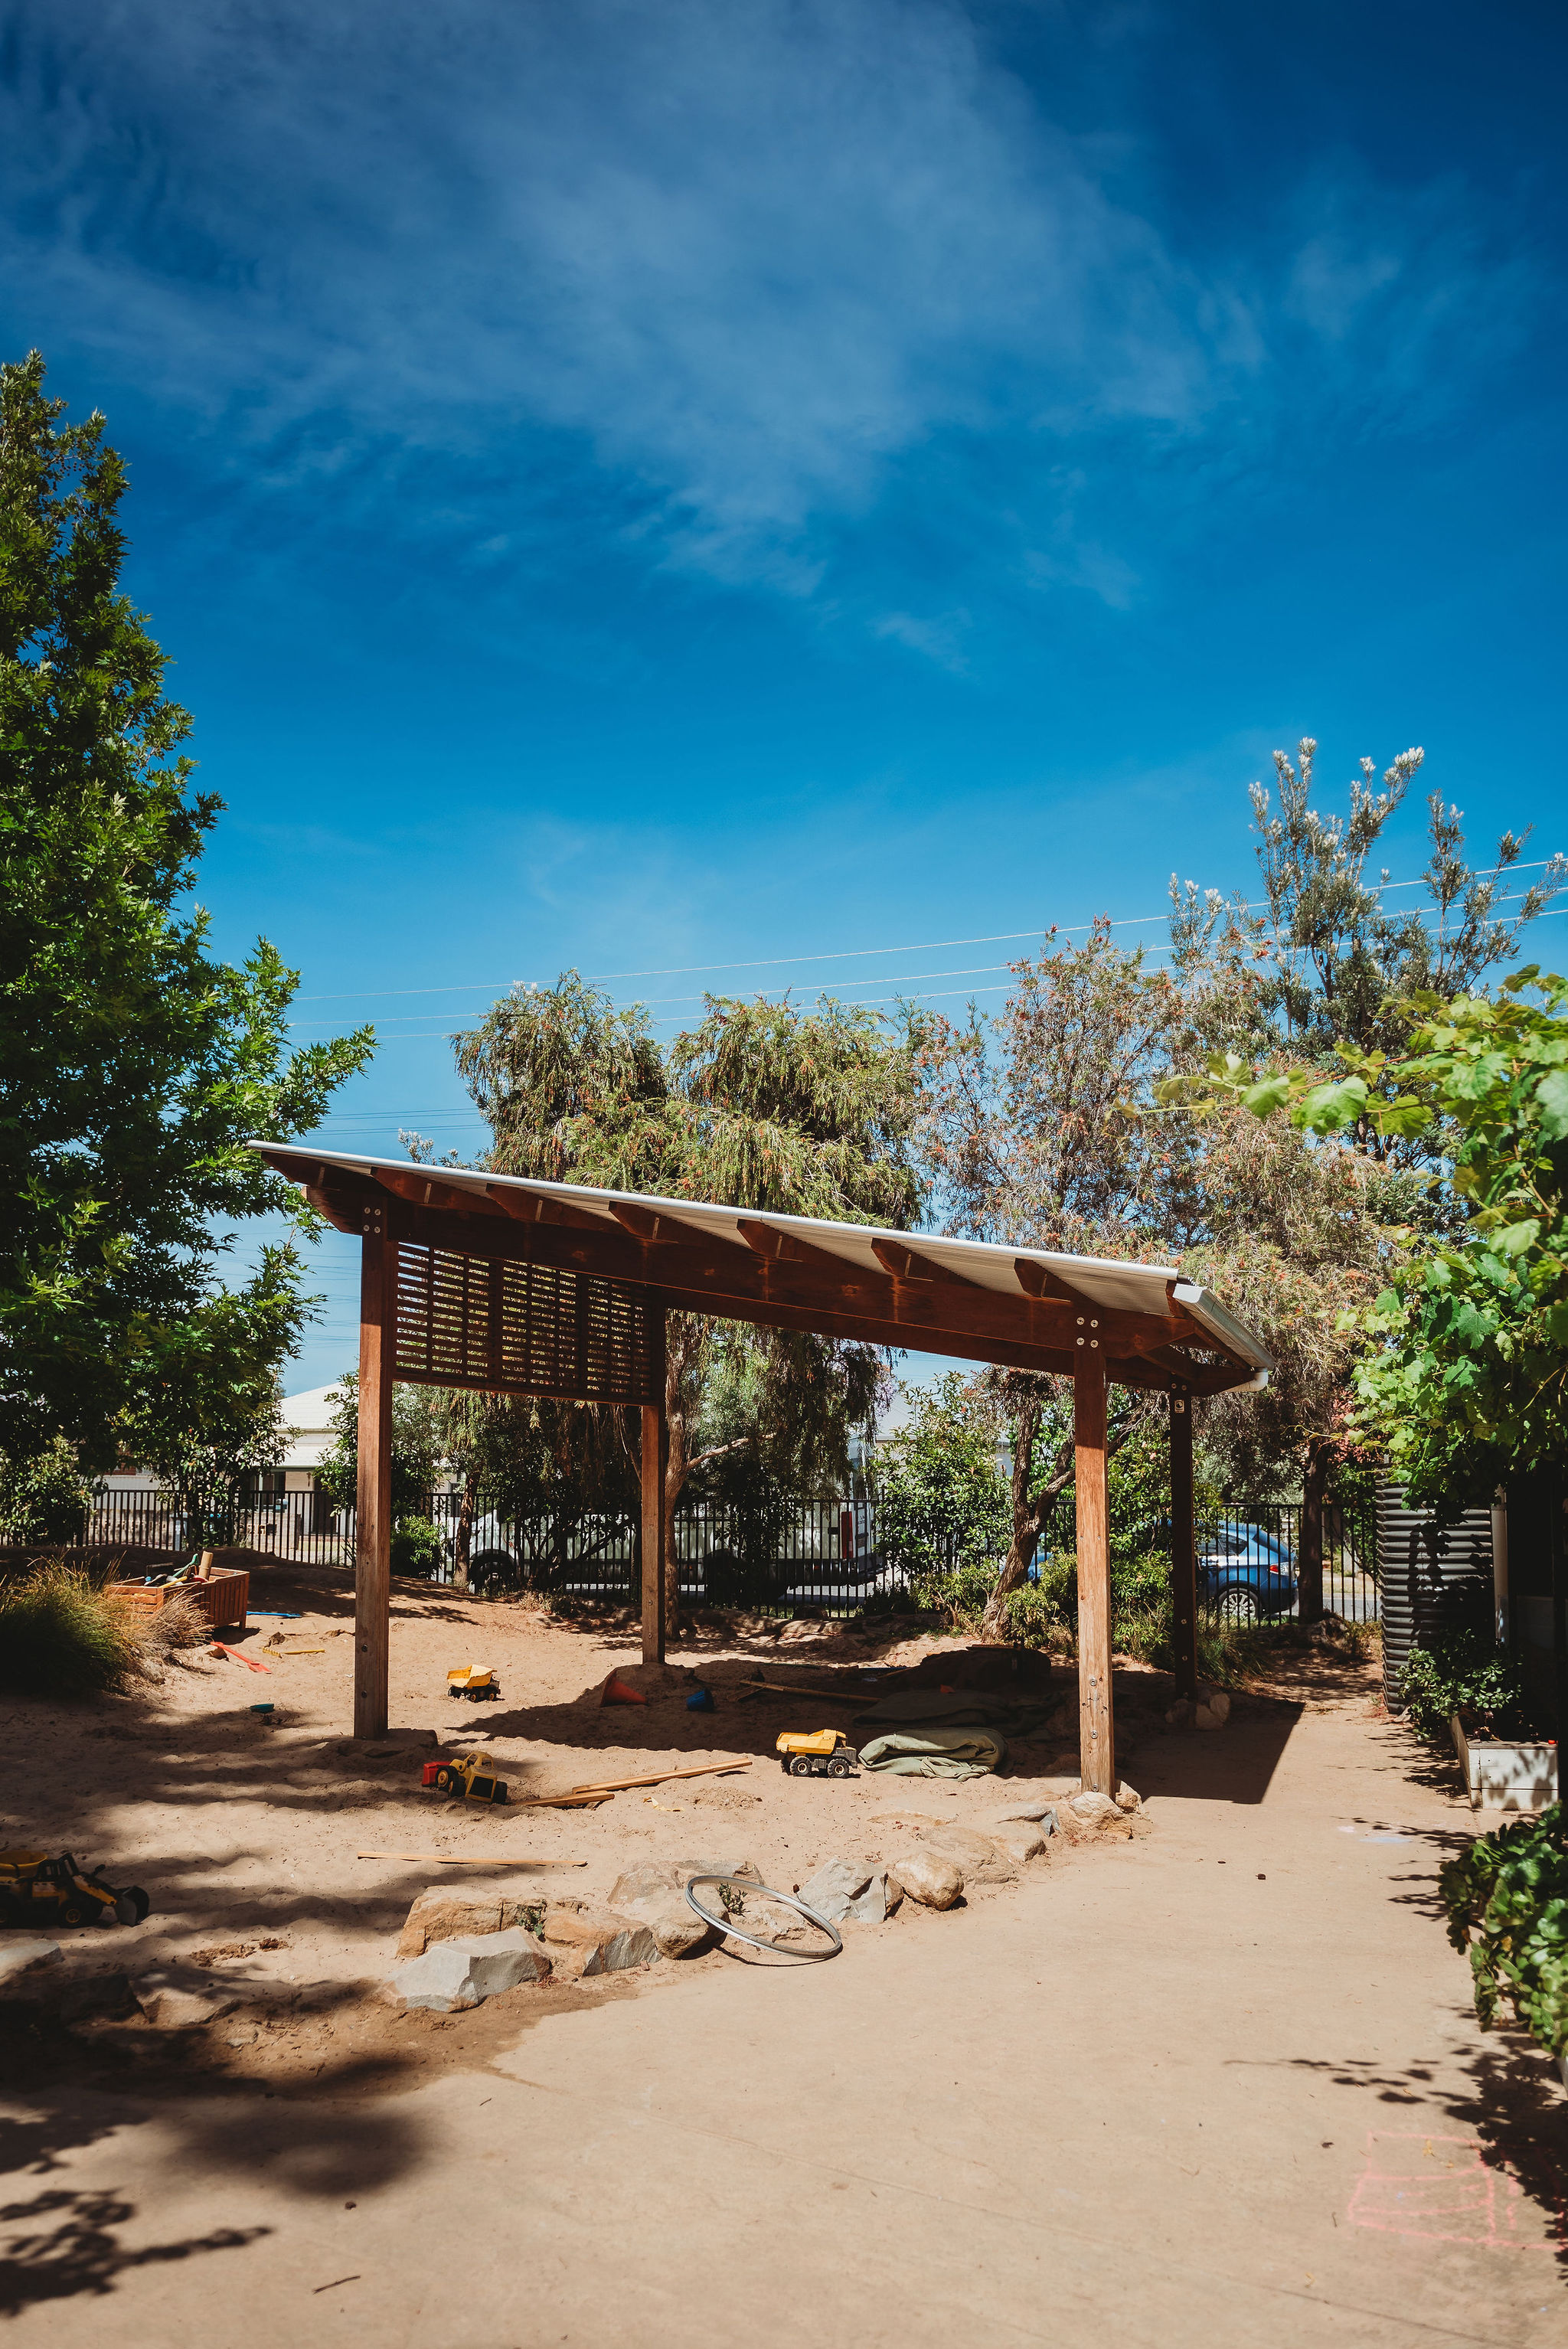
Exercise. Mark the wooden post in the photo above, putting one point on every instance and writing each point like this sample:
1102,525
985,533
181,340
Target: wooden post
655,1459
1097,1723
1309,1555
1183,1548
373,1509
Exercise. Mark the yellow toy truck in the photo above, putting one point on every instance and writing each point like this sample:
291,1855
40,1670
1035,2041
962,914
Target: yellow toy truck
477,1681
43,1894
817,1753
473,1776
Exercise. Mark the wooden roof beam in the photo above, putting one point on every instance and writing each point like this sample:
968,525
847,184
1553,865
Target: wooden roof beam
909,1264
535,1208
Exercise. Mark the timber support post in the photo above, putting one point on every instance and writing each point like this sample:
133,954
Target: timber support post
1184,1548
1097,1723
655,1455
372,1508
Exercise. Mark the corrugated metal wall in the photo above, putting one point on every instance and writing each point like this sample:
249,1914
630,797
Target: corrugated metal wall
1421,1567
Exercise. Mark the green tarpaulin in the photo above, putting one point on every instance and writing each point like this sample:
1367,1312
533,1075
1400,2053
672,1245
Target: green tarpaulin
933,1752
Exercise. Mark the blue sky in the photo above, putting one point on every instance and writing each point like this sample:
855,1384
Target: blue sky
661,489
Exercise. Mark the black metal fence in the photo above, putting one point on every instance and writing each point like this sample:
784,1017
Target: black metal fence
796,1554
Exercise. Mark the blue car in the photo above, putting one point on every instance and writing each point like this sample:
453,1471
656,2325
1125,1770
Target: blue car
1246,1574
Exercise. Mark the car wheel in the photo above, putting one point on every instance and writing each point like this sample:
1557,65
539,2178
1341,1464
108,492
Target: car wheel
1238,1605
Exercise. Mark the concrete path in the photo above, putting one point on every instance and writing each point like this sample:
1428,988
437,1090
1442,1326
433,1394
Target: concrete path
1220,2086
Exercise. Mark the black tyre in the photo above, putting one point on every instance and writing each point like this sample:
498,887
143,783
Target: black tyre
1238,1605
840,1769
71,1912
142,1902
444,1781
800,1767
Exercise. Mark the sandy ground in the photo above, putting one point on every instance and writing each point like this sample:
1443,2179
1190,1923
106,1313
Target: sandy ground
1215,2083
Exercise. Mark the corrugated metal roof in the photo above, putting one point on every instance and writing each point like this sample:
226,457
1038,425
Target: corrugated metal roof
1105,1280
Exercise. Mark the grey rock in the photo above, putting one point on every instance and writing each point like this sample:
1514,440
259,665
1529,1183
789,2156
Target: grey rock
655,1894
1036,1813
928,1877
851,1888
454,1975
29,1954
439,1915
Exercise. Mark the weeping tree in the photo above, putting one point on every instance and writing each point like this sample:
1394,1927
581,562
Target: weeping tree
762,1105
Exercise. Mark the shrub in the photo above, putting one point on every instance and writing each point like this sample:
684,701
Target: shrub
1461,1670
1507,1899
44,1500
59,1637
417,1549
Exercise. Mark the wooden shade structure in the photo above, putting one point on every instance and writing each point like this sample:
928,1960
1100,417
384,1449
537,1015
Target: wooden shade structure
511,1286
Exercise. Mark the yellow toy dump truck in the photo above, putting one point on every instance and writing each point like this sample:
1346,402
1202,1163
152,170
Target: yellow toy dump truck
476,1681
43,1894
474,1776
817,1753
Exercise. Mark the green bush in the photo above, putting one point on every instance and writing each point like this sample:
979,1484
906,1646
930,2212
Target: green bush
1462,1671
417,1549
1032,1619
1507,1899
59,1637
44,1500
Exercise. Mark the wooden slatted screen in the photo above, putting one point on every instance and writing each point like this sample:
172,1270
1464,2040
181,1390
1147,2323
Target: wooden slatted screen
465,1321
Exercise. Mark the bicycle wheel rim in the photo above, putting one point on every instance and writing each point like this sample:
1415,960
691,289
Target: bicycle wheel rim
776,1949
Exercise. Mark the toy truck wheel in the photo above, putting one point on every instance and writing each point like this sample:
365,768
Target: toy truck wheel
840,1769
71,1912
444,1780
801,1766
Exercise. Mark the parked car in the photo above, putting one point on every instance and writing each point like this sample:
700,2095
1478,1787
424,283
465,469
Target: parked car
1246,1574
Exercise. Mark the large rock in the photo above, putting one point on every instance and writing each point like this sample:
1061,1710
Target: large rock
454,1975
178,1998
1036,1812
851,1888
979,1857
928,1877
586,1942
655,1894
439,1915
1215,1713
29,1954
1020,1841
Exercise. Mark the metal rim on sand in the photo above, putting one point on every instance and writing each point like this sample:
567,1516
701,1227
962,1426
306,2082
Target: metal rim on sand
732,1931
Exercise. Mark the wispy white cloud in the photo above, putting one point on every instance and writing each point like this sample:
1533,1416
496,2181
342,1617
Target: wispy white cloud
749,254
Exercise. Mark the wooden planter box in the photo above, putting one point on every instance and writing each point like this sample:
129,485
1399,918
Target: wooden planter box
1502,1776
222,1597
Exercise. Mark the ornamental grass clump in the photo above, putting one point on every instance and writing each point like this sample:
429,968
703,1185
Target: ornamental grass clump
60,1637
1507,1899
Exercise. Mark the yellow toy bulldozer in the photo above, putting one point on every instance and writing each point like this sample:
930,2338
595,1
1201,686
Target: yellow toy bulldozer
44,1894
817,1753
474,1776
476,1681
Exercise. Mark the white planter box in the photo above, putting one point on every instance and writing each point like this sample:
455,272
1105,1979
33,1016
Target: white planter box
1506,1777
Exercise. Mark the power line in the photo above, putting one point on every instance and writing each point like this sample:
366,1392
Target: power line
845,954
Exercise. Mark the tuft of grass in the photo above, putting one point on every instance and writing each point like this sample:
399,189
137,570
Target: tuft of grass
61,1637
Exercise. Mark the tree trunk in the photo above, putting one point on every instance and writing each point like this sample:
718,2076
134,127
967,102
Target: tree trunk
1309,1555
1030,1511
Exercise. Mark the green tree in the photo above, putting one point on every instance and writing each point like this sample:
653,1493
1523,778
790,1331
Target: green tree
762,1106
133,1064
1465,1380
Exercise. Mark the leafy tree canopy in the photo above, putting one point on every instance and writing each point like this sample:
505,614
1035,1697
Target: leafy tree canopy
133,1063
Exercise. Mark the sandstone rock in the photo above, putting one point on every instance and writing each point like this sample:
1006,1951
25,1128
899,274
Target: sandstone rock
805,1627
655,1893
454,1975
27,1955
1128,1798
979,1857
1094,1809
178,1998
1036,1812
439,1915
1178,1715
928,1877
1215,1713
587,1941
851,1888
1020,1841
